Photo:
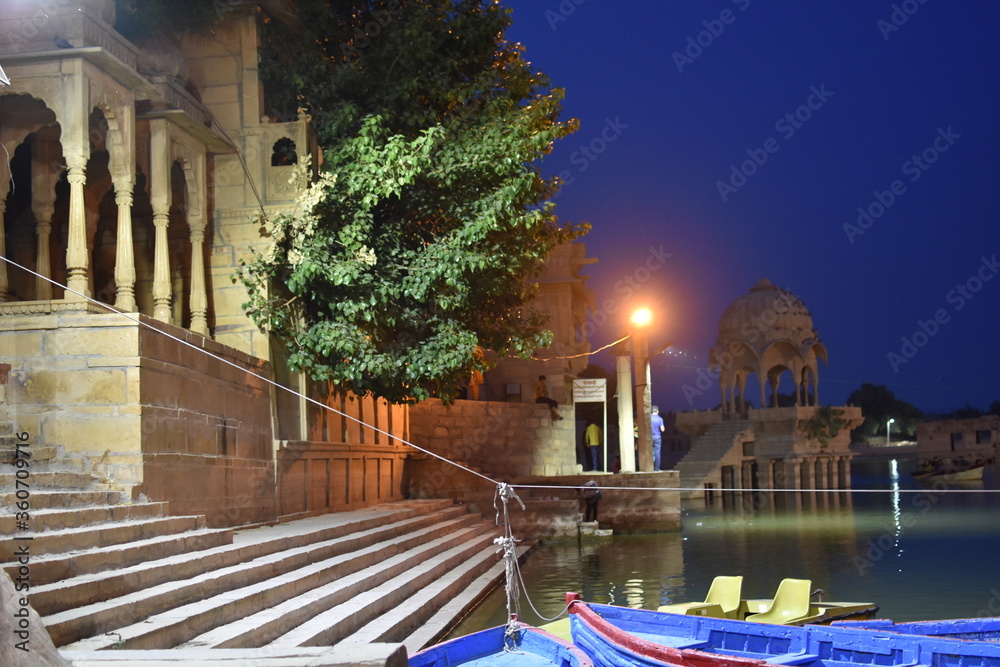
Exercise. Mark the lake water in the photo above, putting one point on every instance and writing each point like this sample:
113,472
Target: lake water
919,552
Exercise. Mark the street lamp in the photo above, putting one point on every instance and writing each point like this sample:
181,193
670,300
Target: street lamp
888,427
641,319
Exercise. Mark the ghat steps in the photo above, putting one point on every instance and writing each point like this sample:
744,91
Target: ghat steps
106,573
702,464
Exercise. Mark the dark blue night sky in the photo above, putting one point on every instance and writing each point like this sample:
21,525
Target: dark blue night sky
742,137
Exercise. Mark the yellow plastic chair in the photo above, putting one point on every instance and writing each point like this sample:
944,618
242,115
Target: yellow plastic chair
791,602
725,592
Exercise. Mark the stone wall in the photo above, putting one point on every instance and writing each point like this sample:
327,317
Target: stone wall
74,384
148,414
635,503
505,440
207,440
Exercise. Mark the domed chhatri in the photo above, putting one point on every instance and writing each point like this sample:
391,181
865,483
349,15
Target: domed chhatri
766,332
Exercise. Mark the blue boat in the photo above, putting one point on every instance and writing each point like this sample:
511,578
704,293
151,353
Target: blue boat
971,629
527,647
622,637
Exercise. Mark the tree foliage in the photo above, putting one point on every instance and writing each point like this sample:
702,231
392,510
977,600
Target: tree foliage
878,405
417,243
825,424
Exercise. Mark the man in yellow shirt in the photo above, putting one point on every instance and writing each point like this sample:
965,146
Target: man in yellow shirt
592,436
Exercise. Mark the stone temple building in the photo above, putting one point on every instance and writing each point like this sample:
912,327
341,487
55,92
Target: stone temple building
786,442
136,170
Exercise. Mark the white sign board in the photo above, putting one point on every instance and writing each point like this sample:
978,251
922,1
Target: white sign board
590,390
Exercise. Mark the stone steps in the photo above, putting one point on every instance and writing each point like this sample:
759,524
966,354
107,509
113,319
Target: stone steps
270,624
108,574
100,535
336,624
702,461
61,518
407,614
40,500
443,619
38,454
268,588
158,588
60,567
49,480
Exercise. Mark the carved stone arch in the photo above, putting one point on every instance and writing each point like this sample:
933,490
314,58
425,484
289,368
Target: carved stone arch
189,155
193,170
118,107
23,116
43,89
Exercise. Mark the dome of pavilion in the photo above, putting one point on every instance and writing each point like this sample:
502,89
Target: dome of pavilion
767,333
766,314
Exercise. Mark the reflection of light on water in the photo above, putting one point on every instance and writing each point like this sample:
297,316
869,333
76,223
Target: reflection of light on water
896,512
633,593
948,569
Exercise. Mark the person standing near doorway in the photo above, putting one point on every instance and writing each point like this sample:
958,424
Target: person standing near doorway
592,436
656,422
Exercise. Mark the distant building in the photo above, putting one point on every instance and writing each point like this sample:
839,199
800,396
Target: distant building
959,439
765,335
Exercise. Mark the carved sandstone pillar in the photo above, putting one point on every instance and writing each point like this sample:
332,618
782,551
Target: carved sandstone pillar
43,228
159,177
199,298
162,289
124,251
4,292
77,261
44,172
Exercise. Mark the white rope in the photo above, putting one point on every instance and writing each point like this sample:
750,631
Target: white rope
930,489
508,546
323,406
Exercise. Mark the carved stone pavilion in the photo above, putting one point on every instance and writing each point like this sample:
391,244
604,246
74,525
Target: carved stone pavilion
767,335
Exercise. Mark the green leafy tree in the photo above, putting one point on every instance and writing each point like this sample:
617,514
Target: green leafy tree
418,241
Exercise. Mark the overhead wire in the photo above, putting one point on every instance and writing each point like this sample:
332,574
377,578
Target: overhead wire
323,406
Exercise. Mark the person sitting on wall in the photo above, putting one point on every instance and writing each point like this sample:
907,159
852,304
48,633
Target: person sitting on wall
542,396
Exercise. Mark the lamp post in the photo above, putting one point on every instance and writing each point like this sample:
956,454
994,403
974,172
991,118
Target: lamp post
640,351
888,427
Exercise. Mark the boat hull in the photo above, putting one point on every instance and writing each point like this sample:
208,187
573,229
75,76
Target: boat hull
970,629
970,474
636,637
531,647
